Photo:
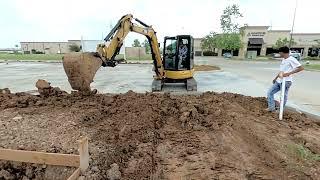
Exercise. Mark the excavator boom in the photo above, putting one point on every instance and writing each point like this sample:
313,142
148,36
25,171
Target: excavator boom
119,33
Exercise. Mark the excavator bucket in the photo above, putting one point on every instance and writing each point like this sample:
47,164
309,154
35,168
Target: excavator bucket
81,69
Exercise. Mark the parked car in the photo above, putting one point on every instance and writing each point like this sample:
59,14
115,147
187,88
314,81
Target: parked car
276,55
296,55
227,55
121,61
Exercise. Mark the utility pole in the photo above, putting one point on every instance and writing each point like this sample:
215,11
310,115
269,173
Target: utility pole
294,18
82,44
59,48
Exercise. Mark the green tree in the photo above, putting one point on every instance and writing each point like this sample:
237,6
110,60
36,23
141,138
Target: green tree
293,42
74,48
230,39
147,46
209,42
136,43
16,48
283,42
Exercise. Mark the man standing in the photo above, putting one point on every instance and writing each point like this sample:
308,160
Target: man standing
288,67
183,52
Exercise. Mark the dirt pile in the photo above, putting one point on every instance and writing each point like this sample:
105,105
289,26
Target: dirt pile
5,91
24,171
206,68
46,90
81,69
165,136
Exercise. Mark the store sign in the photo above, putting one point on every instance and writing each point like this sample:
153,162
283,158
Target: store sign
256,34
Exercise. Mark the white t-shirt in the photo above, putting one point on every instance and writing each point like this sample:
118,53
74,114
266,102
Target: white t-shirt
288,65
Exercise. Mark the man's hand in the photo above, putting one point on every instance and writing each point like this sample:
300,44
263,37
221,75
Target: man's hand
274,81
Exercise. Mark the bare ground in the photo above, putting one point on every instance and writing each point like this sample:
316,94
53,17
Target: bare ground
163,136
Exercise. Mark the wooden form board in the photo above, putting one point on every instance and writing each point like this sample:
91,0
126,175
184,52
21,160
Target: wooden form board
71,160
40,157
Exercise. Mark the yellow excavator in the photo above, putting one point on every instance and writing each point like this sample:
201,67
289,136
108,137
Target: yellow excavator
176,65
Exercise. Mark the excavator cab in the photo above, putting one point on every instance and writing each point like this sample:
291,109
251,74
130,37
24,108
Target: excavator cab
178,61
178,53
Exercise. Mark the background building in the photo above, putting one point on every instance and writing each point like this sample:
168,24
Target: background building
48,47
61,47
260,40
197,47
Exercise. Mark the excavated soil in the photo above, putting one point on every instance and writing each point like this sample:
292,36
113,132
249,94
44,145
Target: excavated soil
165,136
26,171
80,69
206,68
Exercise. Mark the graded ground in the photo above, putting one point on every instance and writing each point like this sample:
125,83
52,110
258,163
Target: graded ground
164,136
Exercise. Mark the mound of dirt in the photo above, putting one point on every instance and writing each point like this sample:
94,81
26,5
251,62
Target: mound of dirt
165,136
46,90
24,171
206,68
5,91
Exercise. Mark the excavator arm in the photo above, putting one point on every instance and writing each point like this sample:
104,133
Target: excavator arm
117,35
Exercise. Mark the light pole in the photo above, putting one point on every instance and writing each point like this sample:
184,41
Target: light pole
294,18
59,48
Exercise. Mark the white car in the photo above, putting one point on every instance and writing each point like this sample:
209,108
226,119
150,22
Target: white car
296,55
276,55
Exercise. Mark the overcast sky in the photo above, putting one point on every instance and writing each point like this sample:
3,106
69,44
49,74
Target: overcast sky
61,20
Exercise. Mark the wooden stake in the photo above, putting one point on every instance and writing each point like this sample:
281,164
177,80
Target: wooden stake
84,154
75,175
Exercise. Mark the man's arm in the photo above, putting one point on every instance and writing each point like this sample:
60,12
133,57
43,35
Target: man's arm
296,70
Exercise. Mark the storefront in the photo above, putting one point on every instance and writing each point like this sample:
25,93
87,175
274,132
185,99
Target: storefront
260,40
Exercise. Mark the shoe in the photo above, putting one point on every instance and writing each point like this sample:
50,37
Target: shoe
268,110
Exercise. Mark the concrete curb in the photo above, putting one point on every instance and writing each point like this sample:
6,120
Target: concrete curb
43,61
310,115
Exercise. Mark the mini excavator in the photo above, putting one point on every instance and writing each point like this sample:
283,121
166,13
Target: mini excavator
175,66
